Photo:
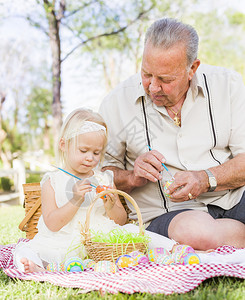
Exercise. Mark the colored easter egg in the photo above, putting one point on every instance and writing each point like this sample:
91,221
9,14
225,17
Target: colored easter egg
167,184
52,267
135,253
125,261
101,188
155,252
182,249
88,263
164,260
189,259
176,257
105,266
55,267
142,259
74,264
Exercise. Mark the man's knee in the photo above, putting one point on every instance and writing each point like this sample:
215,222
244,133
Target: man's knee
196,229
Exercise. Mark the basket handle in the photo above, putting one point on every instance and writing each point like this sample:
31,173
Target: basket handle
113,191
30,214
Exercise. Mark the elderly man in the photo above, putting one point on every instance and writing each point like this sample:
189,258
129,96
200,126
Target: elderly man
189,118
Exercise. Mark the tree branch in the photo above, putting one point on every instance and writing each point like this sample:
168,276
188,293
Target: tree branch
37,25
80,8
114,32
61,11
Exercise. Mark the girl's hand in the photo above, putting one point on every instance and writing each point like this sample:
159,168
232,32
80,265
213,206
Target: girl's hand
80,188
109,201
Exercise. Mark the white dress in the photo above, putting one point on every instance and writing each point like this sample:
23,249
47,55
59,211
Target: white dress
67,242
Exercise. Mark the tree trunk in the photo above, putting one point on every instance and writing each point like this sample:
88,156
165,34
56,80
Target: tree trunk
54,36
46,139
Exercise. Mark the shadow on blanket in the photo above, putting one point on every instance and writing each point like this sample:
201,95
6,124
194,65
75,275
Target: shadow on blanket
149,278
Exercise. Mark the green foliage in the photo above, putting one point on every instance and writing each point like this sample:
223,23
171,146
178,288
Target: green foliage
33,178
39,107
38,119
237,18
5,184
220,44
15,141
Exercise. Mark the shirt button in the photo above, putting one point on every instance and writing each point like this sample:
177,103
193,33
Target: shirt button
180,135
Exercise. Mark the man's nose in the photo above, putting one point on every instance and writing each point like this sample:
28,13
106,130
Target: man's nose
154,86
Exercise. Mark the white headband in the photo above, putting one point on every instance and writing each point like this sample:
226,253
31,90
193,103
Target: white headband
87,126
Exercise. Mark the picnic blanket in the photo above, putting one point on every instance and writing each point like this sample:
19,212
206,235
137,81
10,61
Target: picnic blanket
149,278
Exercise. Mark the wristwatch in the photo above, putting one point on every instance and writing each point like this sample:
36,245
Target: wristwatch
212,181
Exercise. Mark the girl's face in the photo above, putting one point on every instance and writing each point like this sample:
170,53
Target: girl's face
83,152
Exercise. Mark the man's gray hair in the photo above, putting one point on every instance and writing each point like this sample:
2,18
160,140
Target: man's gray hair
168,32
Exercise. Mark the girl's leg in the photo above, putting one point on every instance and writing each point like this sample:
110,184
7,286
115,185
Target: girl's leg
26,260
156,241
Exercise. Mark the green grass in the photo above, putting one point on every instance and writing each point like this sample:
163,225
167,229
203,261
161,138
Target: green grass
10,217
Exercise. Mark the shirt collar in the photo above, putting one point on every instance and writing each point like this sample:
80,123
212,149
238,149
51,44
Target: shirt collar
139,91
198,83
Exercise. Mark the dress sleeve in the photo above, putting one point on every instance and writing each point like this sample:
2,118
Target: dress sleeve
46,176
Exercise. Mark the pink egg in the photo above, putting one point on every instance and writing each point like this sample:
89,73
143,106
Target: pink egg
142,259
182,249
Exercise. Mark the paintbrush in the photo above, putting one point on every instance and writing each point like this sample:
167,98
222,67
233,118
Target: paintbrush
71,174
162,163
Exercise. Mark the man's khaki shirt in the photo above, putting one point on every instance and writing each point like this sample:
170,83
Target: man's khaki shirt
212,131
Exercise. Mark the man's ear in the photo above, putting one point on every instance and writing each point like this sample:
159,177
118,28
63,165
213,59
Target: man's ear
193,68
62,144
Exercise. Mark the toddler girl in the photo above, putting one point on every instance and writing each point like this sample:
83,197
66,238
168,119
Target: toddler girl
65,199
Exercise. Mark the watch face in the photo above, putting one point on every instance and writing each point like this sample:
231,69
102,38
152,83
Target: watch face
212,182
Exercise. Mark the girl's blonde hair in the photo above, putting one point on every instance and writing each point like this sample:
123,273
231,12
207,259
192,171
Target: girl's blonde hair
73,122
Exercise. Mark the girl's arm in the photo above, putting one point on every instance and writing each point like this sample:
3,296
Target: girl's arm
57,217
114,209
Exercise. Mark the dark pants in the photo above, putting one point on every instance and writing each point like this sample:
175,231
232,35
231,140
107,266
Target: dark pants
160,224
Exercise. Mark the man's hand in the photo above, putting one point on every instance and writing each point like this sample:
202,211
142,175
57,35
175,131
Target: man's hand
149,165
188,185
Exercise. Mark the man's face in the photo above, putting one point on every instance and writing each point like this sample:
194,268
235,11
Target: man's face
165,75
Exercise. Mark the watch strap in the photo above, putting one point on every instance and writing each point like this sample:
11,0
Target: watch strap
211,180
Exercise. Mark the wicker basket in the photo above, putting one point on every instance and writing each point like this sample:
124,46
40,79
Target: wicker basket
103,251
32,204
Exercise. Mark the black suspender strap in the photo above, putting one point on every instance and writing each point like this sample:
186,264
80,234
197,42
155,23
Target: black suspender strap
149,144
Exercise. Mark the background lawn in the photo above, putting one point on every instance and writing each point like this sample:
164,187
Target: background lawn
10,217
